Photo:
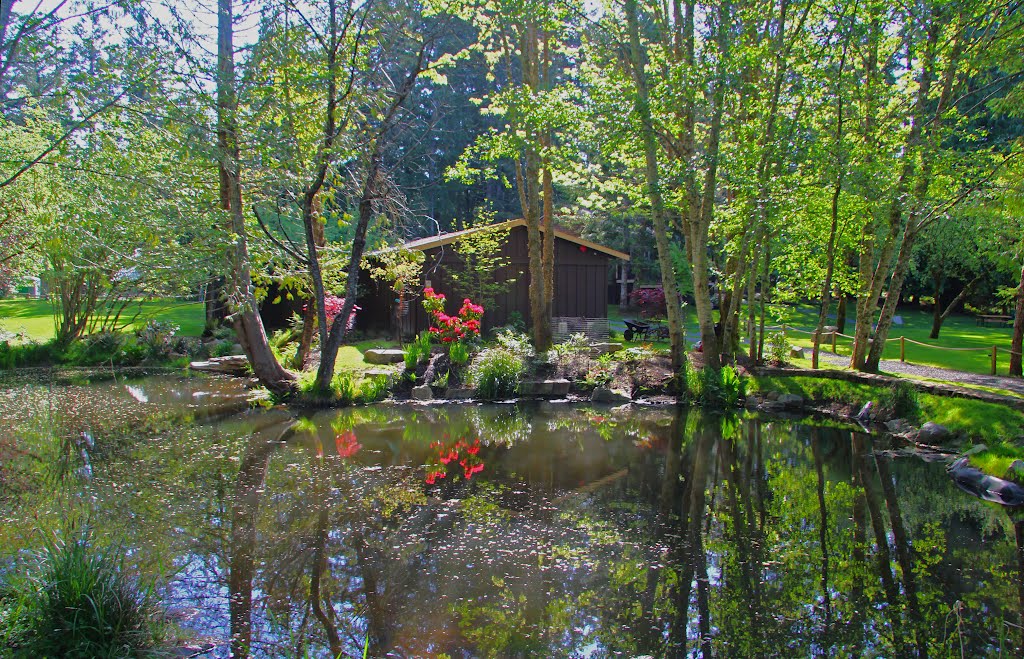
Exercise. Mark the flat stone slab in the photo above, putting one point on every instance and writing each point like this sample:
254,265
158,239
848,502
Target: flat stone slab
557,388
459,393
383,356
605,348
230,365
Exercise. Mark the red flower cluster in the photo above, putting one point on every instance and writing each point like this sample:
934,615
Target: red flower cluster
462,452
449,329
346,445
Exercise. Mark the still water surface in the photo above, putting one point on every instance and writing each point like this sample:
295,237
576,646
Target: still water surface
515,531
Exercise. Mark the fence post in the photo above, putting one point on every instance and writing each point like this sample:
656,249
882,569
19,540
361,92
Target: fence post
834,342
994,349
903,350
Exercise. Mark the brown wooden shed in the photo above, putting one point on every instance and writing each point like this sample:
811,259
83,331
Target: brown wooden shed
581,281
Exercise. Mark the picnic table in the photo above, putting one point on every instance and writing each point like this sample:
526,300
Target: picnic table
994,319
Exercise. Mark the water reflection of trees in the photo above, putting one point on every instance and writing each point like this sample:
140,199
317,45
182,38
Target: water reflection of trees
656,533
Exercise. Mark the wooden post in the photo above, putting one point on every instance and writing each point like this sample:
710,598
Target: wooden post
834,342
903,350
994,349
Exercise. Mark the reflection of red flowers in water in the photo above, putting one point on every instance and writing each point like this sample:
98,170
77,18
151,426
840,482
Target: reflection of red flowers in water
346,444
447,452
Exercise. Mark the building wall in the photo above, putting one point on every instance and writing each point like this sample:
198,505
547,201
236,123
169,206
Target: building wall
581,286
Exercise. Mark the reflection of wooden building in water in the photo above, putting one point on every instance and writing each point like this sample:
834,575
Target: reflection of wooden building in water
581,284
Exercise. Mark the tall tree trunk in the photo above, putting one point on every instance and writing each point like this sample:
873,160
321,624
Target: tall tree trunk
246,317
915,142
1017,344
548,190
830,253
641,106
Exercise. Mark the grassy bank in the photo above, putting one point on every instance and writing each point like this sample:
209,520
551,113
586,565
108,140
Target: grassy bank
970,421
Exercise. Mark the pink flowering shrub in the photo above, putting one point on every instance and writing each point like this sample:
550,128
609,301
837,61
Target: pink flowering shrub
451,329
650,300
333,306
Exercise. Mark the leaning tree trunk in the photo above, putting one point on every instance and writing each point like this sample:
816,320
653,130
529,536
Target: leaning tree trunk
1017,345
246,317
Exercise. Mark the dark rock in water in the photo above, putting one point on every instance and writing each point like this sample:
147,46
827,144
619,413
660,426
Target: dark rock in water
933,433
976,482
605,395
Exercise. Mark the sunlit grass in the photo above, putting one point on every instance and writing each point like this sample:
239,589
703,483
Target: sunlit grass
35,319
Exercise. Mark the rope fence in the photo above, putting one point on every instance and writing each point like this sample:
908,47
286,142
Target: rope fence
831,337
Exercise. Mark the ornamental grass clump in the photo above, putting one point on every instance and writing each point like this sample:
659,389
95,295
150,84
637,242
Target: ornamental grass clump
78,601
496,373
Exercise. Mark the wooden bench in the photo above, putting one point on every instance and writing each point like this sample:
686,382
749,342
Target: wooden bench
994,319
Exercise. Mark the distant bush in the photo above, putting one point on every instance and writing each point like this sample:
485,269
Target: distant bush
496,373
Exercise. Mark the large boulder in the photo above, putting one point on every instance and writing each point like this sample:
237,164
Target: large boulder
422,392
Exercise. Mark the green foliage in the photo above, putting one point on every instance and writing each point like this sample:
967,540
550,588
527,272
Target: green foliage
78,600
441,380
717,389
422,343
458,352
482,278
496,373
515,342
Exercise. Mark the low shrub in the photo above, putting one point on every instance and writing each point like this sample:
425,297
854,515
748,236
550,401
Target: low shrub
571,358
496,373
515,342
157,337
778,348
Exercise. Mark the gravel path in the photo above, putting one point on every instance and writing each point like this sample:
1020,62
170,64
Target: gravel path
1015,385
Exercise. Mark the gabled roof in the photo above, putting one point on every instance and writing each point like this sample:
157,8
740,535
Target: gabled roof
423,244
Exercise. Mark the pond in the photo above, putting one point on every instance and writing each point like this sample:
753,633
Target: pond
541,530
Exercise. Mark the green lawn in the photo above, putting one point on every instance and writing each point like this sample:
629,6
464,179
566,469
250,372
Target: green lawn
35,317
958,332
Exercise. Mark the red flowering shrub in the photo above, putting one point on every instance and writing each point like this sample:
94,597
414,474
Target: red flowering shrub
449,329
461,452
650,300
346,444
